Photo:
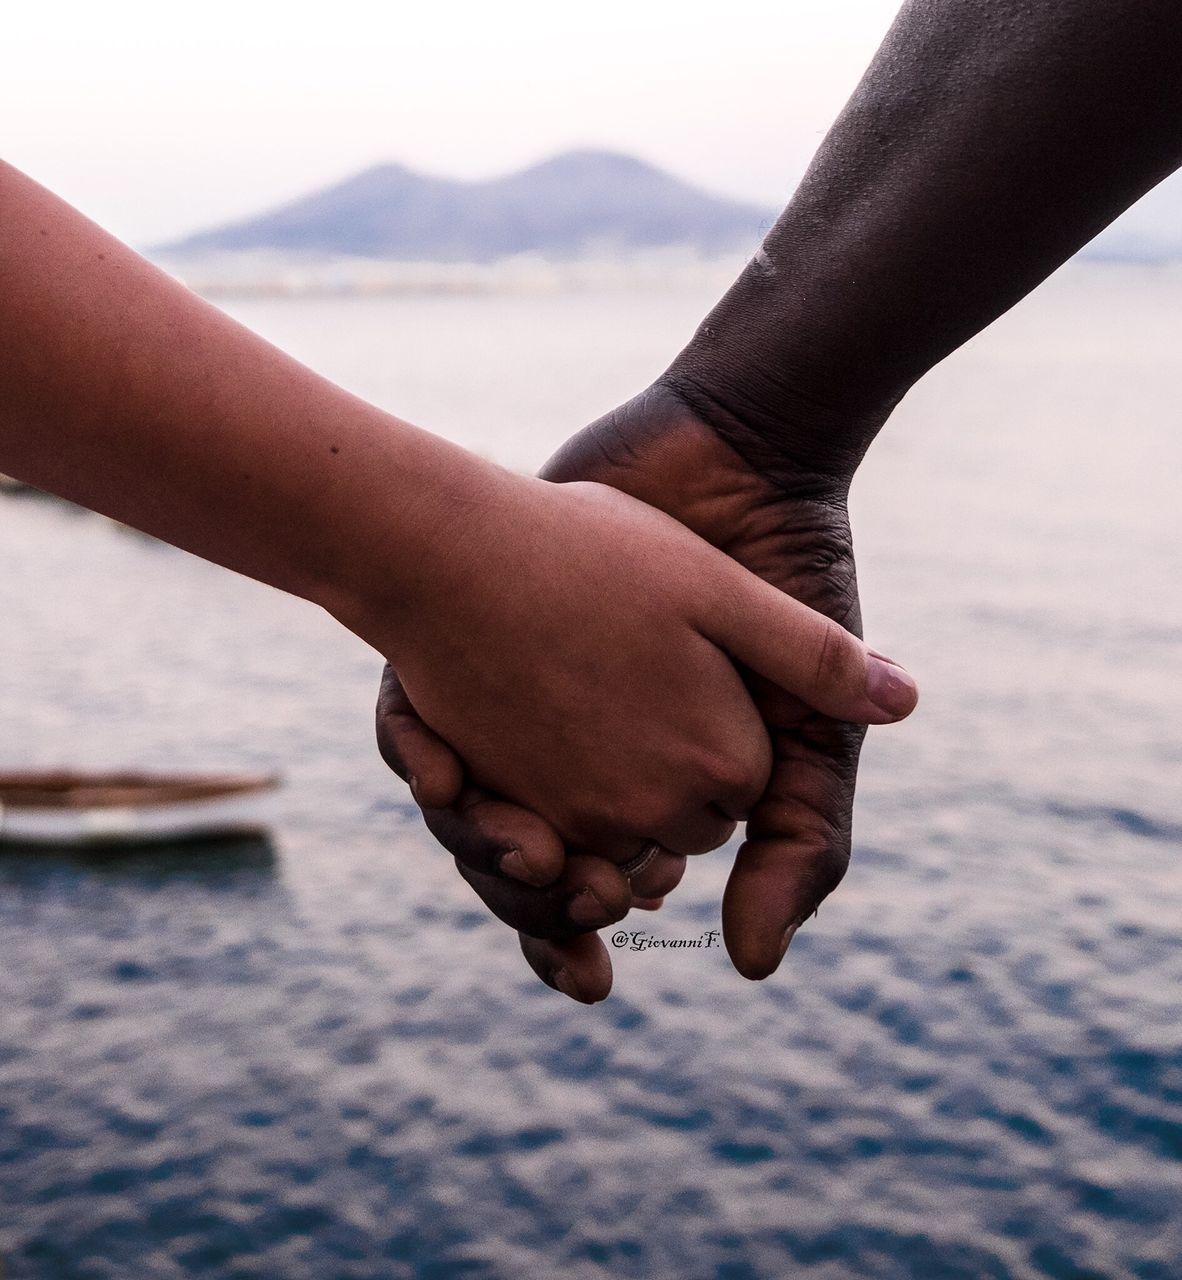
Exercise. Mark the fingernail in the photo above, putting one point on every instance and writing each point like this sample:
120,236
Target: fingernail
888,686
413,783
586,909
513,863
566,984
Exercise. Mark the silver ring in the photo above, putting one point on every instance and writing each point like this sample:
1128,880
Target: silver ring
634,866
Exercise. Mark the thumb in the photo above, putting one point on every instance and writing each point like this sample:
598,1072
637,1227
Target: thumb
807,654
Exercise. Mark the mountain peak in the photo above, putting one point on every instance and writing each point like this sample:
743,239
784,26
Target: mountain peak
579,202
591,159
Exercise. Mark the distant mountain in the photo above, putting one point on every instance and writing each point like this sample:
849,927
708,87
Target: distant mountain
576,204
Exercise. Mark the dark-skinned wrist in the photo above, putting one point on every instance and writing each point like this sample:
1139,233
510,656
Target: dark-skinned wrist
805,432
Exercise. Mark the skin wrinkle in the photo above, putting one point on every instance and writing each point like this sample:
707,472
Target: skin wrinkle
823,841
820,481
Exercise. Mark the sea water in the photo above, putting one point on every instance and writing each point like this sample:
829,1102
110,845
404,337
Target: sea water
321,1057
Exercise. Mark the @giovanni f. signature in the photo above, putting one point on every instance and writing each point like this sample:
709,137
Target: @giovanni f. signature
640,940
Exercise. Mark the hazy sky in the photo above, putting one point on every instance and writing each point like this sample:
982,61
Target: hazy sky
156,119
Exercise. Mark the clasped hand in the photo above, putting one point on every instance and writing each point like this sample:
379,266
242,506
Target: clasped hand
583,698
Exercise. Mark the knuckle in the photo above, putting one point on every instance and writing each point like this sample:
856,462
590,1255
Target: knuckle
651,809
390,749
739,780
724,771
735,771
464,839
706,836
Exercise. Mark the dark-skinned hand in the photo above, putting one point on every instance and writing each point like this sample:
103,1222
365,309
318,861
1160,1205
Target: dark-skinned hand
792,529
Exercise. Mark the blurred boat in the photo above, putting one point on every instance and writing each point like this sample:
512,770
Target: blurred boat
63,808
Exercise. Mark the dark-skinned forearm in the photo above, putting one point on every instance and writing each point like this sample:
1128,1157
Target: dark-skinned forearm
987,142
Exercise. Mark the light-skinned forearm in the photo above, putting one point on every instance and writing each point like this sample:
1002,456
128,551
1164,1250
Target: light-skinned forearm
122,390
987,142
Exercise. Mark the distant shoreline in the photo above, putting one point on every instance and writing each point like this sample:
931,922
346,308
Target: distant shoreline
234,275
268,275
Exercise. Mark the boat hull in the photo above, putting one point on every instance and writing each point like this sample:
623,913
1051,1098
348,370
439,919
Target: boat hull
88,818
